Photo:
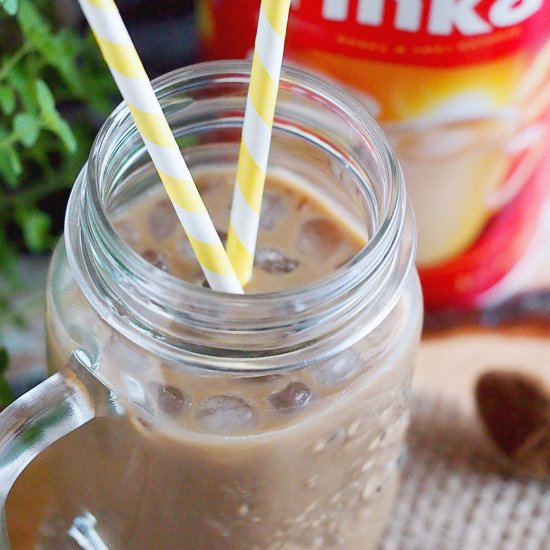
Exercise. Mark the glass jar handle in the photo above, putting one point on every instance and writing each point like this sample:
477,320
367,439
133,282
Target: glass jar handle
59,405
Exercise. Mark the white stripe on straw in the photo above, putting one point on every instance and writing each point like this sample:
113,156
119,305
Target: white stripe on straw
134,85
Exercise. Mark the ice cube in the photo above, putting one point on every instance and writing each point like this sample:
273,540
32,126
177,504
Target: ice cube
162,220
273,210
158,259
338,370
214,184
319,239
171,400
185,249
272,260
294,396
225,414
128,232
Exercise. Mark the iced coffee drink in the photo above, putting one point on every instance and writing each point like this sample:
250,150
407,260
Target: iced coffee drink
307,459
269,420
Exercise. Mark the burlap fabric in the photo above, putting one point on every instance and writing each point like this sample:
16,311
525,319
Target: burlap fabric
457,495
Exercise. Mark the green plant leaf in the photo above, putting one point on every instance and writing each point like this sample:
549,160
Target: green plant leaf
51,117
54,53
63,130
35,226
8,100
6,171
45,97
61,51
26,127
32,23
6,393
58,126
25,87
10,165
10,6
15,160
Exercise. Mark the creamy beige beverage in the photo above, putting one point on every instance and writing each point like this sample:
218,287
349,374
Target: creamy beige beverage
300,239
204,461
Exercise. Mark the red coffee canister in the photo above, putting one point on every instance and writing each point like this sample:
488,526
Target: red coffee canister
462,88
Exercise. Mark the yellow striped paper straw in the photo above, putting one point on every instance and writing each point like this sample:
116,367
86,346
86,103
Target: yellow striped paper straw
256,136
125,65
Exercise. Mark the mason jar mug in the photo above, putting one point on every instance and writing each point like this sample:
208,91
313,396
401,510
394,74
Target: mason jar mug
179,417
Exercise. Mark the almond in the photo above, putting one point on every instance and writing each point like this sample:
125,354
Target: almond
515,408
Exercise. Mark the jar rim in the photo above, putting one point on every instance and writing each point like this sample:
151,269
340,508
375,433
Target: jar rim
162,286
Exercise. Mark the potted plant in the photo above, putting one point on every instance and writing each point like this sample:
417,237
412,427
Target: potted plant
54,92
